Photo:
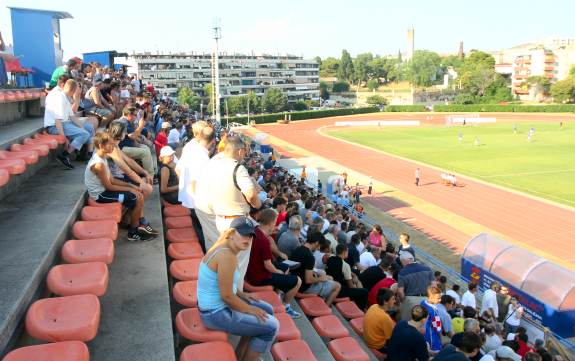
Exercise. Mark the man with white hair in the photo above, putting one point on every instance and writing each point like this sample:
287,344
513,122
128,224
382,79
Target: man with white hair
412,283
290,240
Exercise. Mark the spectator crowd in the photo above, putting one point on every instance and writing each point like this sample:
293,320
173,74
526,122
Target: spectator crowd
259,225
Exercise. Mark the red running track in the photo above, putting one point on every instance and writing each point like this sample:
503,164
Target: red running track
535,223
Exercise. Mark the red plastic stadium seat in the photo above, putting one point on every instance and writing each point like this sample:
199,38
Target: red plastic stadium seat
190,326
58,351
185,270
176,211
357,325
185,250
95,229
70,318
51,143
329,327
92,213
341,299
92,202
250,288
272,298
180,235
288,329
77,279
378,355
347,349
304,295
292,350
30,157
13,166
178,222
42,149
349,310
4,177
218,350
88,250
314,307
59,138
186,293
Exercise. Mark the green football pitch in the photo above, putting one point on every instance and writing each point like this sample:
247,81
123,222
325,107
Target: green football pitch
544,167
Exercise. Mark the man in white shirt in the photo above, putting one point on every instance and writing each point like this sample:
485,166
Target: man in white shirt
371,258
195,156
174,136
468,299
454,292
230,192
59,118
489,301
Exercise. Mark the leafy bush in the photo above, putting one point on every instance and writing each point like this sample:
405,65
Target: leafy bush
405,108
376,100
340,87
478,108
310,114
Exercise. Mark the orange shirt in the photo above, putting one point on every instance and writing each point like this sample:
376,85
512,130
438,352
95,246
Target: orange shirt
377,327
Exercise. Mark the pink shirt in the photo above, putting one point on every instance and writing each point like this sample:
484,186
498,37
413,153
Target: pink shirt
375,239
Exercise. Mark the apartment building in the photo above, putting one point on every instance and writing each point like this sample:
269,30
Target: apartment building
296,77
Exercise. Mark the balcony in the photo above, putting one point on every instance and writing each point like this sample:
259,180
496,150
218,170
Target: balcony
549,68
550,75
549,59
521,91
520,76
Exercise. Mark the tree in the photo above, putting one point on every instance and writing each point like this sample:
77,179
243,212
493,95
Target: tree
329,67
377,68
299,105
345,71
187,97
323,92
477,73
254,102
393,70
361,68
236,104
451,61
541,84
340,86
274,101
318,61
423,68
376,100
372,84
209,93
563,91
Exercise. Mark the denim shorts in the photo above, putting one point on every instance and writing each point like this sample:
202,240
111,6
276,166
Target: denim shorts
233,322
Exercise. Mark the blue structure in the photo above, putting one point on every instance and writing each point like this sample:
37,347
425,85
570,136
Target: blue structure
544,289
105,58
37,41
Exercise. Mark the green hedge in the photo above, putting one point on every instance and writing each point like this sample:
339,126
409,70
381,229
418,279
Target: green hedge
405,108
557,108
308,114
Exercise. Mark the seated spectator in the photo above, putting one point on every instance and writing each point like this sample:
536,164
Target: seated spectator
174,136
353,254
322,254
331,235
162,137
454,292
523,341
377,324
340,271
445,306
412,283
370,258
433,325
407,342
67,68
376,237
223,306
467,349
222,143
261,270
492,339
404,244
106,189
289,240
59,119
372,275
131,144
312,283
386,282
169,183
504,353
95,103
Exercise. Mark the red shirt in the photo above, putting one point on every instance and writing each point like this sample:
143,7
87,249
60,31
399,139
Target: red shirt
261,251
281,218
384,283
523,348
161,141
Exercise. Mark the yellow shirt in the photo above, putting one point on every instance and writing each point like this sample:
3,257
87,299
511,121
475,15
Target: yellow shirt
377,327
457,324
221,145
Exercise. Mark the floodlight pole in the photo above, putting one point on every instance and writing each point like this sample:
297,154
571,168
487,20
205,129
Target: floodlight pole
217,37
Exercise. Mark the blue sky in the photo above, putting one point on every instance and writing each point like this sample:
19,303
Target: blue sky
309,28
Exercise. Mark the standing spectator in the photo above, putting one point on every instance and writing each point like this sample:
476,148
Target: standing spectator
319,186
261,271
503,300
468,299
131,144
231,192
444,307
289,240
407,342
454,292
162,137
223,306
174,136
340,271
404,244
312,283
417,176
59,119
489,301
377,324
433,325
168,177
413,281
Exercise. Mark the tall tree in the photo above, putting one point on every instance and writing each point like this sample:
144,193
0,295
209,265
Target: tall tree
329,67
187,97
345,71
563,91
361,67
274,100
423,68
477,73
323,92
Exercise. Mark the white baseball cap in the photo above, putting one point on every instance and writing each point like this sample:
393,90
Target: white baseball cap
166,151
166,125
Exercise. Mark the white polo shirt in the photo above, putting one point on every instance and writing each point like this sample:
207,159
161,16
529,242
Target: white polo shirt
191,165
489,301
58,106
469,300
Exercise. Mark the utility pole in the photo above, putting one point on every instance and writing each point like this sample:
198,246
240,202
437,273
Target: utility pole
216,59
248,99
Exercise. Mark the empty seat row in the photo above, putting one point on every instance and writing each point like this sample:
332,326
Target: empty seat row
7,96
73,316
